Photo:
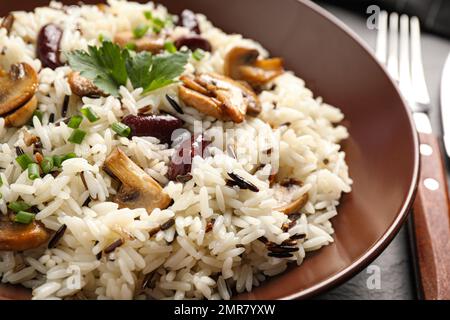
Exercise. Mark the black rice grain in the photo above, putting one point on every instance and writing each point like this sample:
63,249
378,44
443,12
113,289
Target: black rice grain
113,246
241,182
174,104
57,236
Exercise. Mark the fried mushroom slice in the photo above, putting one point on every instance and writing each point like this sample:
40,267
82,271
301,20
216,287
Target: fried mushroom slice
146,43
219,96
17,86
243,64
288,197
83,87
138,189
22,115
207,105
19,237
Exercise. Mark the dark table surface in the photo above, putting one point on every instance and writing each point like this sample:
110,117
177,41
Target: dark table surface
395,265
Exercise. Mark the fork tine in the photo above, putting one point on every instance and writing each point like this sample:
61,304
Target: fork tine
392,61
381,47
419,85
404,65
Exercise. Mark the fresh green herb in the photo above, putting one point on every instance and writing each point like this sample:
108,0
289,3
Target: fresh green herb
121,129
104,65
158,25
77,136
33,171
198,54
24,160
163,69
102,38
57,161
24,217
148,15
39,114
75,122
17,206
170,47
69,156
109,67
131,46
90,114
140,31
47,164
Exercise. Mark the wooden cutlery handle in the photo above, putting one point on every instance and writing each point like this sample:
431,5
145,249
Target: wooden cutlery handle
431,221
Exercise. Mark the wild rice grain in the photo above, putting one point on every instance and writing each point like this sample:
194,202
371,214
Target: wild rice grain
166,225
65,106
241,182
174,104
57,236
280,255
113,246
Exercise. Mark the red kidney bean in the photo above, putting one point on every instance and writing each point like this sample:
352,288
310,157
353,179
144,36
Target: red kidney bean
158,126
48,46
193,42
189,20
195,146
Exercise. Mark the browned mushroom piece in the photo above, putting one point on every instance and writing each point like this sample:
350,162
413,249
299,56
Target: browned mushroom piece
288,201
219,96
19,237
17,87
243,64
138,189
22,115
7,23
83,87
147,43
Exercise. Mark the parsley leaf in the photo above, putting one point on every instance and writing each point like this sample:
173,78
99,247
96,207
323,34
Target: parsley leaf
165,68
154,72
109,67
138,68
105,66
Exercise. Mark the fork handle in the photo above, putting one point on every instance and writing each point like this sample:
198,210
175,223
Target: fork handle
431,221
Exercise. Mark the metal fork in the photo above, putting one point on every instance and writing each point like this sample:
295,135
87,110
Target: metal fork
399,48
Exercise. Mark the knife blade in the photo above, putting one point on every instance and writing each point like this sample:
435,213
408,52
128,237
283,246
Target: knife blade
445,105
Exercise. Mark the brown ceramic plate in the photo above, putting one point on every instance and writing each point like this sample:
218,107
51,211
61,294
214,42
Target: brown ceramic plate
382,151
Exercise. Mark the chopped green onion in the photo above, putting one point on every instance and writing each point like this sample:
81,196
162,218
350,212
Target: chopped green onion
156,29
69,156
148,15
57,160
140,31
158,22
198,54
17,206
33,171
77,136
170,47
121,129
24,217
24,160
75,122
47,164
131,46
101,37
38,114
89,114
1,181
